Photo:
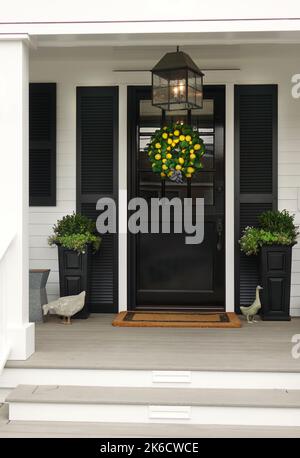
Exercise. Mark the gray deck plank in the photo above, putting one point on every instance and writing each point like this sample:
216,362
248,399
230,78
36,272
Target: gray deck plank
95,344
50,394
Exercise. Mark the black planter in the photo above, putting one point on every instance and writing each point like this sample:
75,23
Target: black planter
275,277
74,275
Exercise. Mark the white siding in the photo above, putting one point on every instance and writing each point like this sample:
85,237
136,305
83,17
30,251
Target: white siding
83,67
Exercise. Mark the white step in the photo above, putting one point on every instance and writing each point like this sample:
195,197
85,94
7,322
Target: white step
58,429
155,405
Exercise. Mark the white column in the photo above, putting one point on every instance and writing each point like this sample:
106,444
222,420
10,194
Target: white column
14,192
229,198
122,198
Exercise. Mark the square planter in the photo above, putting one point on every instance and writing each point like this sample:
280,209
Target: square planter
74,275
275,277
37,293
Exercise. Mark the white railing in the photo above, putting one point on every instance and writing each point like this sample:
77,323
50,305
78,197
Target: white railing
5,243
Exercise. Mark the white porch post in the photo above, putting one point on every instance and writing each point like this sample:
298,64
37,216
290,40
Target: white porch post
122,198
229,199
14,192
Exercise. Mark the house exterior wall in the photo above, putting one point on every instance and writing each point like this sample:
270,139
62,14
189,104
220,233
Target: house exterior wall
254,64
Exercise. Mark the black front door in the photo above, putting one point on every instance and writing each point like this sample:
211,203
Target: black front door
164,271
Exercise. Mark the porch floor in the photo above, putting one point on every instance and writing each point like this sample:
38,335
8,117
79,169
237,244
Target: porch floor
95,344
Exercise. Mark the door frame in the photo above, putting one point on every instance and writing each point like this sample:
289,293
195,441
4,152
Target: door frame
134,95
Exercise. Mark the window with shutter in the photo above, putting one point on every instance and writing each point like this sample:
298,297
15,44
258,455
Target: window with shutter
42,144
256,168
97,176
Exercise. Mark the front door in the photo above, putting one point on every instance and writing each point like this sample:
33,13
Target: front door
165,273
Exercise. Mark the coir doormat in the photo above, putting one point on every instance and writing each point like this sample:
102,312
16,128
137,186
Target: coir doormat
177,320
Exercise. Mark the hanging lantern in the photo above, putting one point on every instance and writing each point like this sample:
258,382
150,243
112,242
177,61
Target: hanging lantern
177,83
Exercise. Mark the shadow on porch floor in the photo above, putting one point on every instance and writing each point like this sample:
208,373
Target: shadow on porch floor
95,344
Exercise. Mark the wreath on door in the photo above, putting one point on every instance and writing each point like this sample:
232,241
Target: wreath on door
176,152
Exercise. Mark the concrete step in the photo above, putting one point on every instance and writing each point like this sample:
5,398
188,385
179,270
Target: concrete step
150,405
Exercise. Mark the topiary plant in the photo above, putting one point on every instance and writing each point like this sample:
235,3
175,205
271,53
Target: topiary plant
279,222
75,232
275,228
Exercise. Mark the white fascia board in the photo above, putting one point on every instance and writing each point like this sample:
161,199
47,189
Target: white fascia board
149,27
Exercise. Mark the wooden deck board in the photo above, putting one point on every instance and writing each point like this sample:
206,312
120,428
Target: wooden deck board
96,344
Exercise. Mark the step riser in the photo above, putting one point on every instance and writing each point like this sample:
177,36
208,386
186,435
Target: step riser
248,416
10,378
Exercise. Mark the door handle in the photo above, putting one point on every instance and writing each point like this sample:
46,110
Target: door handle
219,234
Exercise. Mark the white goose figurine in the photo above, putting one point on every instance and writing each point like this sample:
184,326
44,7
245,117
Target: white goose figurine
253,309
66,306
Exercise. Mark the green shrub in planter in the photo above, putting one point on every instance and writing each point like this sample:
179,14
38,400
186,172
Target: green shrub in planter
76,239
75,232
275,228
273,240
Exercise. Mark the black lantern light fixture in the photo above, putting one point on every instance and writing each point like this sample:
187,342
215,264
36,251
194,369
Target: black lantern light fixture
177,83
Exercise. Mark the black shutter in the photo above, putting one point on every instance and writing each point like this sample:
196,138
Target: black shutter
97,176
42,144
256,169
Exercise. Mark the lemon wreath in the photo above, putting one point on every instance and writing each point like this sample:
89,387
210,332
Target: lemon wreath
175,152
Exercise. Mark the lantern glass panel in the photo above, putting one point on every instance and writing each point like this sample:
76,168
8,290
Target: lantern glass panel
160,91
192,79
192,96
199,90
177,91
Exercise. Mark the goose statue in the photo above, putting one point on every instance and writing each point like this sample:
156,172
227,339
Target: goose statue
66,306
252,310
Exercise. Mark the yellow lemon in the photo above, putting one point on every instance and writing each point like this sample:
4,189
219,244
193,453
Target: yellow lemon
169,156
192,156
170,141
182,138
158,145
197,147
190,170
176,140
157,157
176,133
181,160
188,175
162,174
169,148
188,138
173,144
164,135
164,161
190,143
183,151
191,151
178,167
165,167
170,174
